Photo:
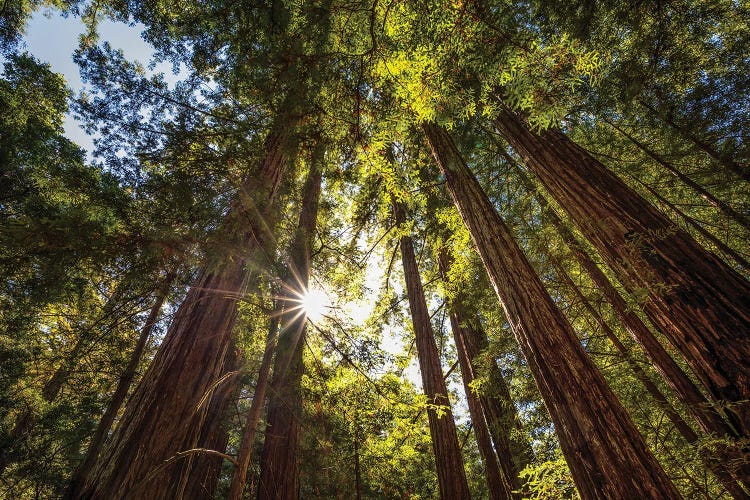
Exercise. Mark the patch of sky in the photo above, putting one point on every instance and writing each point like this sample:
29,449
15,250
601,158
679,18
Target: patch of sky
53,39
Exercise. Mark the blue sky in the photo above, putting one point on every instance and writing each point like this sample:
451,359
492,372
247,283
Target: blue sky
51,38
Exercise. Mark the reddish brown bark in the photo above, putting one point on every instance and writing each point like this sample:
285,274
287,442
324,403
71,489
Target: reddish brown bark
450,468
606,455
720,245
244,454
279,477
123,386
495,412
160,418
699,303
709,420
719,469
499,484
197,476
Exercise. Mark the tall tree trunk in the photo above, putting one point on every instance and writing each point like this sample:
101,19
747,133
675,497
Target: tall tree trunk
716,466
720,245
606,455
448,461
694,298
502,458
700,190
244,454
709,420
157,423
197,476
723,160
279,478
123,386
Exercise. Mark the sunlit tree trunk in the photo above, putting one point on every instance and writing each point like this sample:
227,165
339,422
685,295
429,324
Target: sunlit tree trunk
279,477
450,468
606,455
159,420
700,303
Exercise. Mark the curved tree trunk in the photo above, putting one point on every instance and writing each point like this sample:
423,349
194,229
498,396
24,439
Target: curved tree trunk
700,303
448,461
159,420
606,455
279,477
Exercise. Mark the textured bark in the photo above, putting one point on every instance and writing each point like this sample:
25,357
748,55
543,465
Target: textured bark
720,470
700,304
703,192
493,412
448,461
244,454
160,418
197,476
279,478
123,386
607,456
499,484
709,420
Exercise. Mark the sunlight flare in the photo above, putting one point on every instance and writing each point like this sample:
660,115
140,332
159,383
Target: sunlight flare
314,303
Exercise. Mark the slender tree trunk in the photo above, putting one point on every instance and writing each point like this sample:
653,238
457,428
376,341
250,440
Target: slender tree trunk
244,454
157,423
357,472
123,386
701,304
448,461
720,245
700,190
670,371
279,477
606,455
500,469
727,163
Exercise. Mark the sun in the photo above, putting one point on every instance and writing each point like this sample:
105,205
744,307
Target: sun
314,303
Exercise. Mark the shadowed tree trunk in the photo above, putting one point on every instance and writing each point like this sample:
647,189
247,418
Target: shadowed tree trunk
244,454
197,476
677,379
448,461
720,245
700,303
123,386
607,456
159,420
279,477
723,160
703,192
470,341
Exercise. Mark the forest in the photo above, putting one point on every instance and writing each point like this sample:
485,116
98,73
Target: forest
349,249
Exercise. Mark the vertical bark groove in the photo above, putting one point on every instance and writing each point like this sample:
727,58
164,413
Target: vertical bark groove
606,455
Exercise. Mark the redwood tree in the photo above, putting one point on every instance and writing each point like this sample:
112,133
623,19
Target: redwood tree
700,303
450,467
606,455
